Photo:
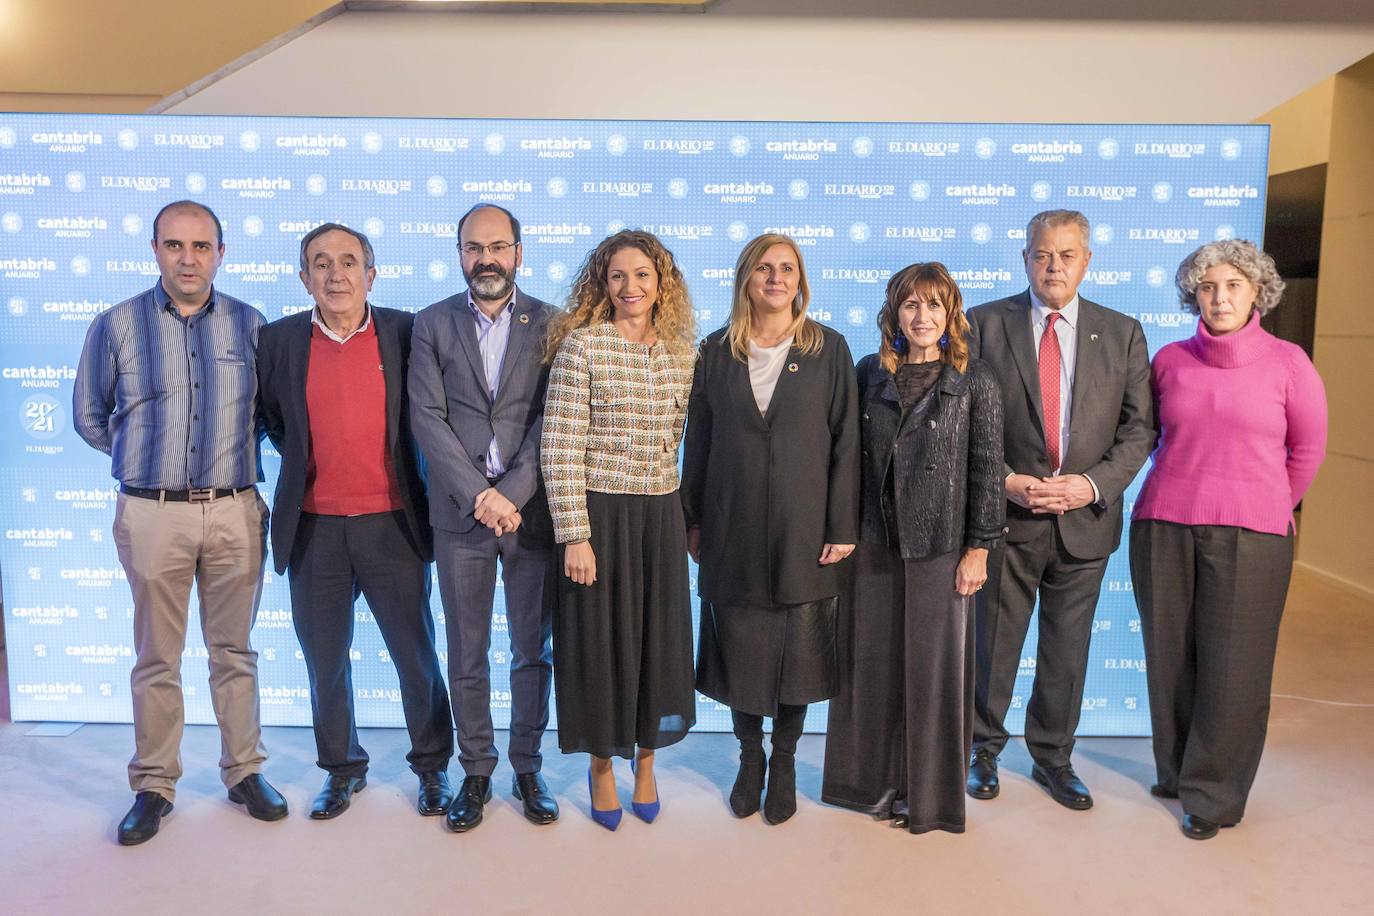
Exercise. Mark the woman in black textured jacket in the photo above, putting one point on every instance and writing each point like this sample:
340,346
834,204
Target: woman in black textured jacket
932,505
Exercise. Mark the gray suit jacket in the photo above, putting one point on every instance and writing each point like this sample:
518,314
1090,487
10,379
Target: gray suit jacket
454,417
1111,429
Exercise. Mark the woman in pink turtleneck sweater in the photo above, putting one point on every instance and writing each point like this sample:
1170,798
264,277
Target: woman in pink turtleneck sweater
1242,431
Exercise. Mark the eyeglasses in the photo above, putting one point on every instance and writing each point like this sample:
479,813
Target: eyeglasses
496,248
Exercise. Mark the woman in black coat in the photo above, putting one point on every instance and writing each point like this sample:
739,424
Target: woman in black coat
932,506
770,491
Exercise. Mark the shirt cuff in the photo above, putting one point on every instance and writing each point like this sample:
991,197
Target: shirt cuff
1097,494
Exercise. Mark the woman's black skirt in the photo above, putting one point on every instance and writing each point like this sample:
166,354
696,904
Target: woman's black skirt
754,659
622,646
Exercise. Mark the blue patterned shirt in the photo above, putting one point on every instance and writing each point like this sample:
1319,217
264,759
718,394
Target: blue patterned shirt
172,399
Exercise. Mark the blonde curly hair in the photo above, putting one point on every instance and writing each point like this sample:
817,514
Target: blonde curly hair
589,302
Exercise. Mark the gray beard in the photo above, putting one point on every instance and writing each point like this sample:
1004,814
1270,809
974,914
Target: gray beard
491,289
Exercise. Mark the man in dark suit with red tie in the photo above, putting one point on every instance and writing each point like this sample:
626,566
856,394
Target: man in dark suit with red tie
1079,424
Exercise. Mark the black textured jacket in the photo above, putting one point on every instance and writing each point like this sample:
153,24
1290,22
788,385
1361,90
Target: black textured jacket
945,461
770,491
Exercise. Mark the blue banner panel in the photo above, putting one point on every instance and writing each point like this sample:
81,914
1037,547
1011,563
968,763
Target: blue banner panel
78,194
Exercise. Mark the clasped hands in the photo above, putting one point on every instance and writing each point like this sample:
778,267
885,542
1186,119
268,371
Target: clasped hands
1050,495
496,512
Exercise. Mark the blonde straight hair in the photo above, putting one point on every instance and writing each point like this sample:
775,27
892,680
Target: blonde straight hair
805,333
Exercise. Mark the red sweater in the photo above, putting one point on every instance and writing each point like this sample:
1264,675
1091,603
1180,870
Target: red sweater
350,470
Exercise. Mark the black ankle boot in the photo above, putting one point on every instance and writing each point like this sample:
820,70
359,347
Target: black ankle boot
782,788
781,802
744,796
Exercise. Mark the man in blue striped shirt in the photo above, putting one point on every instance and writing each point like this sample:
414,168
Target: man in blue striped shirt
167,386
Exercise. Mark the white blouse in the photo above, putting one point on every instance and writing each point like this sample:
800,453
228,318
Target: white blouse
765,365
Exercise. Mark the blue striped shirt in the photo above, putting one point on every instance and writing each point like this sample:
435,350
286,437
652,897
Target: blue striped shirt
493,334
172,399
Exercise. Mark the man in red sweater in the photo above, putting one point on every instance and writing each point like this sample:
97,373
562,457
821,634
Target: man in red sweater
351,514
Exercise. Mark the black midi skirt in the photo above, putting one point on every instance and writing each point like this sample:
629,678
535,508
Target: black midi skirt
622,646
900,731
754,659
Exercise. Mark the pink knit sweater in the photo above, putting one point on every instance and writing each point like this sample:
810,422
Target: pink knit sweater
1242,421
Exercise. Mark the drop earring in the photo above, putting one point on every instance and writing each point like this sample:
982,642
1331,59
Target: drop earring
899,344
944,341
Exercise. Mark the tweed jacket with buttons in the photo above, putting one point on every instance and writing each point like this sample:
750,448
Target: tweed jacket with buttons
612,422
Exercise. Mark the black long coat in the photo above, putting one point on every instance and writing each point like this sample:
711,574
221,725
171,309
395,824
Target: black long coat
770,491
946,463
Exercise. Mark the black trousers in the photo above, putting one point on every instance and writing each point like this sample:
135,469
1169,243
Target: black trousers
333,559
1210,600
467,583
899,732
1067,588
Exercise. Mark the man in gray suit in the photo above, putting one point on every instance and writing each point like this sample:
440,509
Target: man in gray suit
1079,424
477,385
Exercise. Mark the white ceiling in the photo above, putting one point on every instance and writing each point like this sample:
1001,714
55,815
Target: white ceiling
740,60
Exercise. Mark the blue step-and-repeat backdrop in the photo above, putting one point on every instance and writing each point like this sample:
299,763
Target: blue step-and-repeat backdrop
78,193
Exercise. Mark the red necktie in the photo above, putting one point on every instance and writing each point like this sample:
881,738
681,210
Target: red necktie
1049,389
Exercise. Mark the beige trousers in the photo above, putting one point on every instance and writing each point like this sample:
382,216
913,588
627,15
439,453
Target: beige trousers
164,546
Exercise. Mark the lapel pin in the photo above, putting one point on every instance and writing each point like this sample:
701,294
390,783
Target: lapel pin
525,319
1092,337
792,367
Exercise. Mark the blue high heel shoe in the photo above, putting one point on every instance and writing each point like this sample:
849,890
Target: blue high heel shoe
646,811
608,819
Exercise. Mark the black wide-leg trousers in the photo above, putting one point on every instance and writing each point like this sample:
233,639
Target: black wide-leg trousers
1210,599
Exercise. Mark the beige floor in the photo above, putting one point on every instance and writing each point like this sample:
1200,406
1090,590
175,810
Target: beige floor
1307,843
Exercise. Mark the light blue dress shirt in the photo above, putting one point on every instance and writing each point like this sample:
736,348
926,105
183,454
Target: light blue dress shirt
492,336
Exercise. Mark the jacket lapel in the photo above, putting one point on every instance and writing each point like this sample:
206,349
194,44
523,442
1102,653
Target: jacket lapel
389,348
297,370
465,328
793,369
741,389
1087,359
1017,326
518,337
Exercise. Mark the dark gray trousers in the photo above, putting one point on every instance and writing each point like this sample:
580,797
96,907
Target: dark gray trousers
333,560
1210,600
1068,588
467,583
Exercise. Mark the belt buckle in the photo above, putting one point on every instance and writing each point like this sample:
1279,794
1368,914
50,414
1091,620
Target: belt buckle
203,495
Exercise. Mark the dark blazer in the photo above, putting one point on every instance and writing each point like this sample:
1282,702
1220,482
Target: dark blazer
1111,429
769,491
946,462
454,417
283,363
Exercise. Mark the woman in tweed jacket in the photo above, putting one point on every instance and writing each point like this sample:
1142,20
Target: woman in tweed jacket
622,372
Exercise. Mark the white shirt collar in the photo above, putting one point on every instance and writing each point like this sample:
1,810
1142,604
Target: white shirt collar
318,322
1040,312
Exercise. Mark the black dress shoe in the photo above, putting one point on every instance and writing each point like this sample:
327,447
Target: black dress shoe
533,792
336,795
257,795
466,810
1064,785
982,776
1159,791
1197,828
435,793
141,823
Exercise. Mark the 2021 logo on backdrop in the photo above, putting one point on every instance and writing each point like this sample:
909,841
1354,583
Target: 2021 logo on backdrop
77,195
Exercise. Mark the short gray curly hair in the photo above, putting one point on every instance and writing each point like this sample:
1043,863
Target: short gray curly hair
1245,257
